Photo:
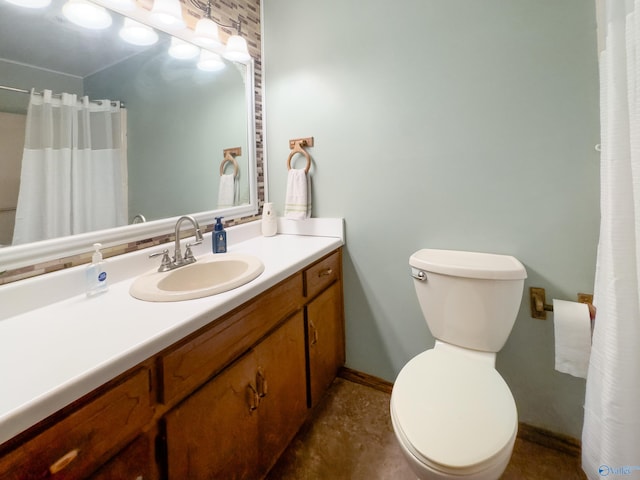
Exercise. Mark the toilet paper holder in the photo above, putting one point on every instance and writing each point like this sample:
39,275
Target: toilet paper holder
539,307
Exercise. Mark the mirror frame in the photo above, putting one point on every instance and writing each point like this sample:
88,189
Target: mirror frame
19,256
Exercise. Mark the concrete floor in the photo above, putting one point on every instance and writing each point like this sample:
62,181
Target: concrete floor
350,437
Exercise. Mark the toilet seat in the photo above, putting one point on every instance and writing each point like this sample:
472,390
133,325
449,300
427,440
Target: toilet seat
453,413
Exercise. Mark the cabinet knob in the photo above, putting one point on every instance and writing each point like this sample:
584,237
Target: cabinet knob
63,461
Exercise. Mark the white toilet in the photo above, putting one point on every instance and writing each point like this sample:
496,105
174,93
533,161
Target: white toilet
452,412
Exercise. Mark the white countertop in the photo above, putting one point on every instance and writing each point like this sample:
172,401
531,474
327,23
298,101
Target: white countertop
55,348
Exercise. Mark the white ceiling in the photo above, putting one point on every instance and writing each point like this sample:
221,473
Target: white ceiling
45,38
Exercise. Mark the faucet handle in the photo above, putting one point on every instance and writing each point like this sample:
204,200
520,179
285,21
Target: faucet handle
188,254
165,264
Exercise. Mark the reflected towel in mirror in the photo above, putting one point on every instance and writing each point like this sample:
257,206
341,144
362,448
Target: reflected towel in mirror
227,190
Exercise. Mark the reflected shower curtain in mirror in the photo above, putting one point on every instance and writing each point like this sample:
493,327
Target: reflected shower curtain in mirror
73,177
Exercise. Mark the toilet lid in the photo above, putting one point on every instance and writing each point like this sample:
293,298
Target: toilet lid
453,411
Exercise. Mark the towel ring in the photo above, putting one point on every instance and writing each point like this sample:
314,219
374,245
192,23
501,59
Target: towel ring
297,148
228,158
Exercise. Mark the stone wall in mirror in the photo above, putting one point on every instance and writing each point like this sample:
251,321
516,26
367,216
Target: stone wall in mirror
179,139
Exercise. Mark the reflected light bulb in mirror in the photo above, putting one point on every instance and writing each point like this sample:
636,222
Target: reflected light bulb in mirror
30,3
183,50
136,33
168,13
210,62
86,14
206,33
237,49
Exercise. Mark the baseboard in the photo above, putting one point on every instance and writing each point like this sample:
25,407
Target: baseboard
365,379
547,438
530,433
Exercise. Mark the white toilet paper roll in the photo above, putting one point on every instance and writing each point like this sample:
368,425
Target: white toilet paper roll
572,328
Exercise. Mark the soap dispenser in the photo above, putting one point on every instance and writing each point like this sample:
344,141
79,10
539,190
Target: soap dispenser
269,220
96,273
219,237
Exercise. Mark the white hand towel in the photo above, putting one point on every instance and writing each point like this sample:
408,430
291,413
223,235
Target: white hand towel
297,204
227,190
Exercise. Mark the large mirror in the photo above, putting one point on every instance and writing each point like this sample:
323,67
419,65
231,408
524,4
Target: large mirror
184,129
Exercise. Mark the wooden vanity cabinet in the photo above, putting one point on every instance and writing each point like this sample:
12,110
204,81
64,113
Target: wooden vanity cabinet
281,386
222,403
324,325
197,358
238,423
78,440
213,433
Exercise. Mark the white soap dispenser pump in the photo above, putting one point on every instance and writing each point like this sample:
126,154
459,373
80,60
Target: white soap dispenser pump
96,273
269,220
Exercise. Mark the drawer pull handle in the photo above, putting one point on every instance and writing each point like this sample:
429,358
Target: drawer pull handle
325,273
63,461
261,383
253,398
314,333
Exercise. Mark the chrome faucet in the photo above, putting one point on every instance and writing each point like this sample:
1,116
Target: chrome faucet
178,260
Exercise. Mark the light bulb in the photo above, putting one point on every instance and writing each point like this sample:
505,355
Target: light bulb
167,12
206,33
237,49
182,50
210,61
86,14
136,33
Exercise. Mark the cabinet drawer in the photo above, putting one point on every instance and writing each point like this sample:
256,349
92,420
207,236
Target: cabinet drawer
205,353
77,444
322,274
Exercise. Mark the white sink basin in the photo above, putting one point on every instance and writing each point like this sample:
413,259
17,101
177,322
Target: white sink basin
209,275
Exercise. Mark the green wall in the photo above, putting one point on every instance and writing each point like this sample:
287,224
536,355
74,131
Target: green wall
446,124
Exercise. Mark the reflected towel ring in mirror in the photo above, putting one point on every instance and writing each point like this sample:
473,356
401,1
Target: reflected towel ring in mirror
297,147
230,155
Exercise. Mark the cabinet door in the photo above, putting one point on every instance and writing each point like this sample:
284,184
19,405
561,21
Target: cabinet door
136,462
325,340
213,434
281,384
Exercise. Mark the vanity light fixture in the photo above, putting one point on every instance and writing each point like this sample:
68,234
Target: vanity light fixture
136,33
210,61
182,50
236,49
206,34
30,3
87,14
206,31
167,13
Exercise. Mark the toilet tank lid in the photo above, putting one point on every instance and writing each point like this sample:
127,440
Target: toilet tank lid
459,263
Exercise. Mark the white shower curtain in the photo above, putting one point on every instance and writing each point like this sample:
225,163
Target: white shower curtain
73,177
611,433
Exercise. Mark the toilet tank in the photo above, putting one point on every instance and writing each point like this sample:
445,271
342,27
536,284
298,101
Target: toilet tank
468,299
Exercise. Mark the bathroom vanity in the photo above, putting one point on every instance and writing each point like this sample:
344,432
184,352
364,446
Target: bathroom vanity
217,394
